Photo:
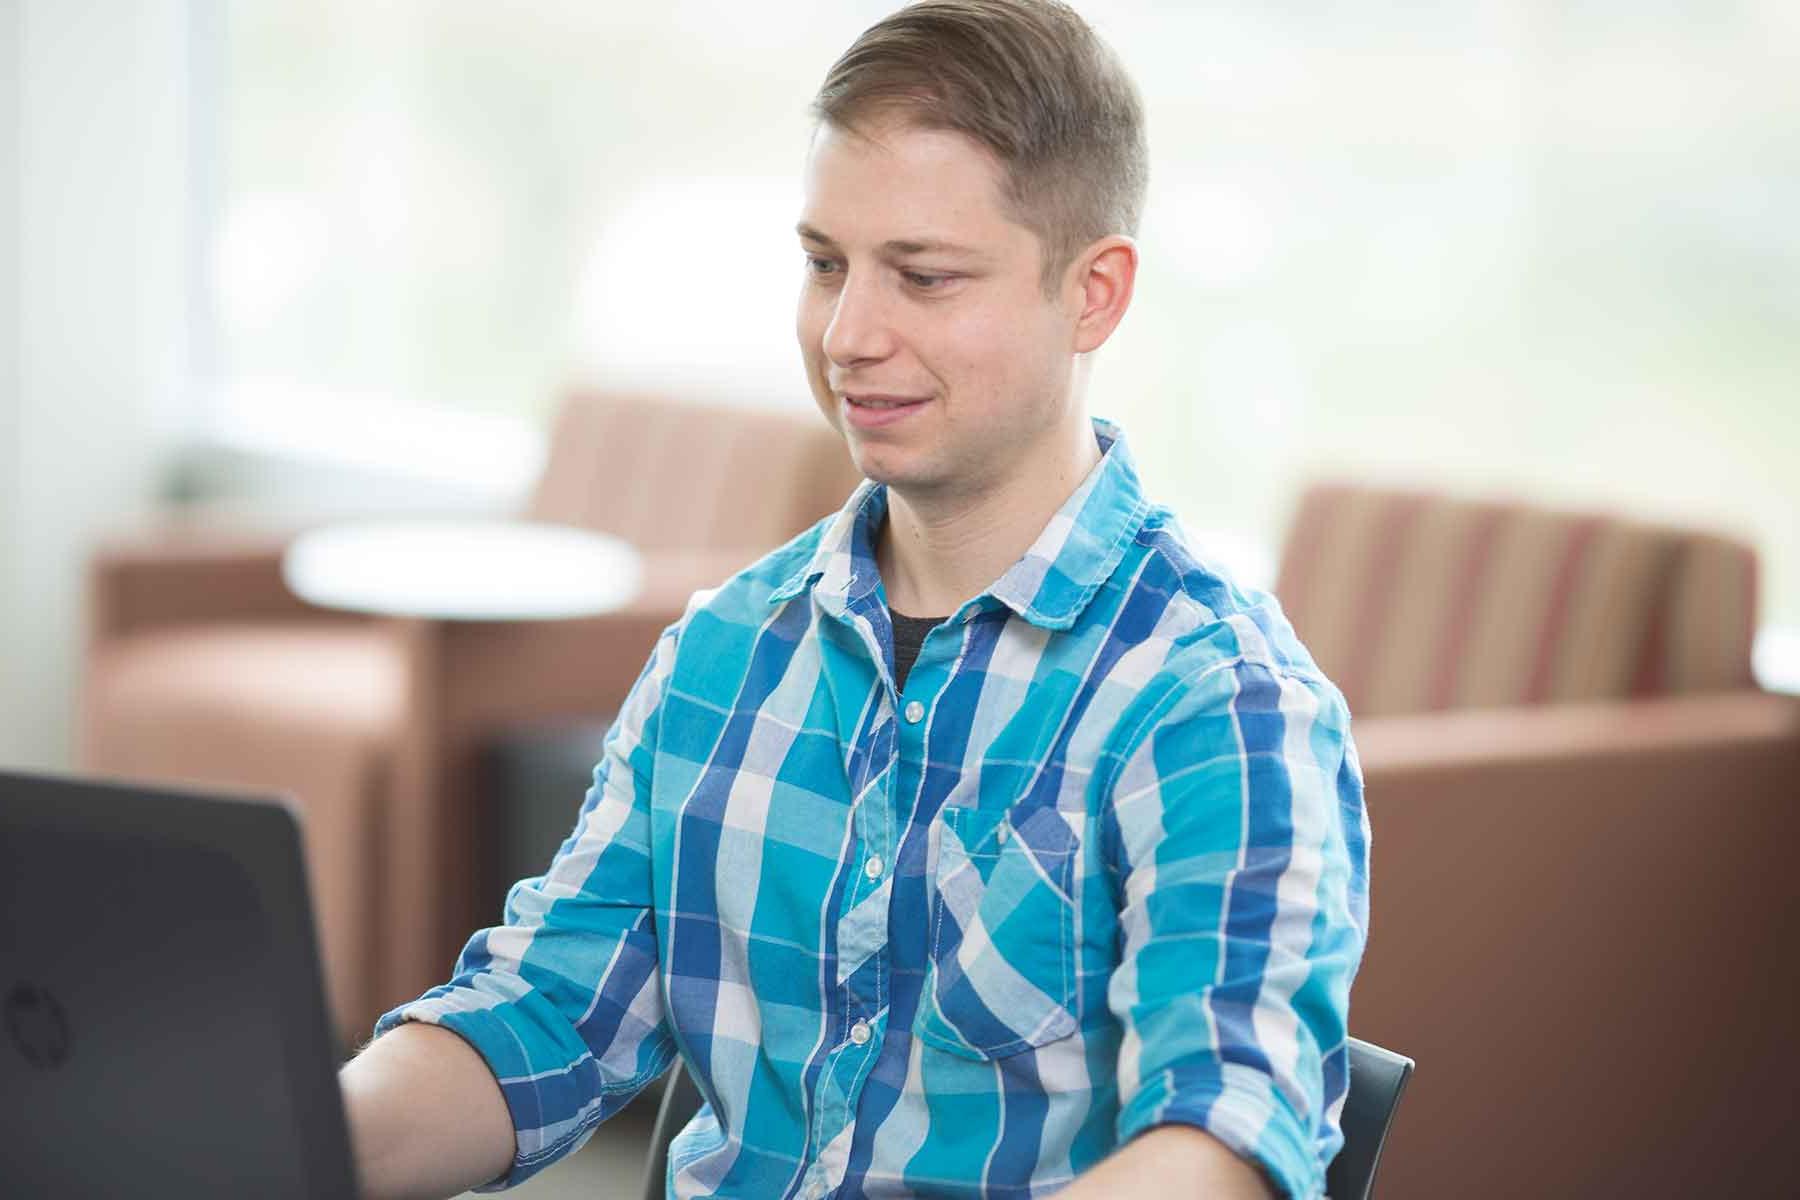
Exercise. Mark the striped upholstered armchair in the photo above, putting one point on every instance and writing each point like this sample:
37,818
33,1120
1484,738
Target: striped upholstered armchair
202,668
1416,602
1583,816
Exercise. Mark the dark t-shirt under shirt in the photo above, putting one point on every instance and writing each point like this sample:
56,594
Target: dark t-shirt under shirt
909,635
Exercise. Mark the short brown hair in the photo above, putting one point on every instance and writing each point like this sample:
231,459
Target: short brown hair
1028,80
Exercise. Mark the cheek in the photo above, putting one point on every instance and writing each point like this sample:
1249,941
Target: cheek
809,331
995,351
805,325
812,320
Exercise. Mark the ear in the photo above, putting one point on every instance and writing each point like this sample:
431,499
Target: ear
1098,286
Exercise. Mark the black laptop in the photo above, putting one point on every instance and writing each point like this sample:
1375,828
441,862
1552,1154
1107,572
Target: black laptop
164,1030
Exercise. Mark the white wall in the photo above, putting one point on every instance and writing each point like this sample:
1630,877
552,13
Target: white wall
95,316
10,587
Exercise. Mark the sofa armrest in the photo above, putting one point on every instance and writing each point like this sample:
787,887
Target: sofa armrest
1582,928
189,572
1512,738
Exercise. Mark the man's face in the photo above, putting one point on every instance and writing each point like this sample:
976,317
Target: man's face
928,339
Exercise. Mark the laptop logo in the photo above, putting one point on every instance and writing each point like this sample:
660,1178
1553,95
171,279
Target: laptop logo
37,1025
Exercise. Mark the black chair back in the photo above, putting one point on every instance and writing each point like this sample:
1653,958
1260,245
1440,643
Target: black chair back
1377,1077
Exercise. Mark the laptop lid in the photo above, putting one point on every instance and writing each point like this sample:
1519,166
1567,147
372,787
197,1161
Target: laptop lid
162,1017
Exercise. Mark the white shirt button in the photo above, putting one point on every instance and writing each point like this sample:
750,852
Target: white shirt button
915,712
859,1033
872,868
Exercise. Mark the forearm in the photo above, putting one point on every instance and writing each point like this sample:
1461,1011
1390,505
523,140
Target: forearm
1172,1161
426,1117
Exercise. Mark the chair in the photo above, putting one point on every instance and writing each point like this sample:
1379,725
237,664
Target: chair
203,668
1415,601
1377,1077
1576,791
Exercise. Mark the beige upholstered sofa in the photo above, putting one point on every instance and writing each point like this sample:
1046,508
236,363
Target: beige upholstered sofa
1583,811
203,668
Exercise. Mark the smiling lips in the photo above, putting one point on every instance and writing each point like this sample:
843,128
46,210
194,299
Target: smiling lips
873,410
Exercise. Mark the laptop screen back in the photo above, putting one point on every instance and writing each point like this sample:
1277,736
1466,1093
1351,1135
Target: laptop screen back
163,1026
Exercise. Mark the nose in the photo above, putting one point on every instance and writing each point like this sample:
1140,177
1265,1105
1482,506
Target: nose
859,331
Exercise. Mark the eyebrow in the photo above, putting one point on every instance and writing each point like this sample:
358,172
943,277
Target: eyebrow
896,245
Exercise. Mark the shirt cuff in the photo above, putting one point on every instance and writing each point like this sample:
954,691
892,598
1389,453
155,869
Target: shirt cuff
1255,1125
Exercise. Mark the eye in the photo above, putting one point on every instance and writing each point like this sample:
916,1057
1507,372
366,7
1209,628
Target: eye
923,281
819,266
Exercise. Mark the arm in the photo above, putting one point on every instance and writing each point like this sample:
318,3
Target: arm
552,1021
1172,1160
426,1117
1237,833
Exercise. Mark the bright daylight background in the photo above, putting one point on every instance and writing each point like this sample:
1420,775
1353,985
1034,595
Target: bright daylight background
280,255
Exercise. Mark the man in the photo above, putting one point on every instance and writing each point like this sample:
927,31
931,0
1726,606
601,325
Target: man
982,840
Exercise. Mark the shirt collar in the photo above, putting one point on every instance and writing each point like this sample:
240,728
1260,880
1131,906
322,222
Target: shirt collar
1049,586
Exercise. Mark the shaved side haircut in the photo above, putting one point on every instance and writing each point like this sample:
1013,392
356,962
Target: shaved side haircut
1029,81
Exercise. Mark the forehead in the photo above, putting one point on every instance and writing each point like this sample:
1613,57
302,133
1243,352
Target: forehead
897,181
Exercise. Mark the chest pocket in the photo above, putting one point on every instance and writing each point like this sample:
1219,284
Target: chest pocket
1001,975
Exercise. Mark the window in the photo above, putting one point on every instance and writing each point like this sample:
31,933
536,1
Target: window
1494,243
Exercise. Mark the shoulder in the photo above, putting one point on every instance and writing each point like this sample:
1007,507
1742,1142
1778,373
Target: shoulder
748,596
1223,643
1211,616
704,656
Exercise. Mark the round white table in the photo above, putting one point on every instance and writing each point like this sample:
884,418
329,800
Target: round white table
1775,658
462,570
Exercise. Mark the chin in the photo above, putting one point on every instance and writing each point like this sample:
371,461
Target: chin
910,479
882,467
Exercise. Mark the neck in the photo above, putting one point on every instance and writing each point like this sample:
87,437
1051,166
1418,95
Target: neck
937,551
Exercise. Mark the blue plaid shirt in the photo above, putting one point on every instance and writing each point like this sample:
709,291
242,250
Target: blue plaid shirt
1101,865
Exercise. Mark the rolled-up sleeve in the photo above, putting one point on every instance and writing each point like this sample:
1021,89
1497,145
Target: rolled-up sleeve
562,999
1240,841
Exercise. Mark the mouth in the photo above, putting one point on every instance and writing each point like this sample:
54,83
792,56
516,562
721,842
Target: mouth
870,410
